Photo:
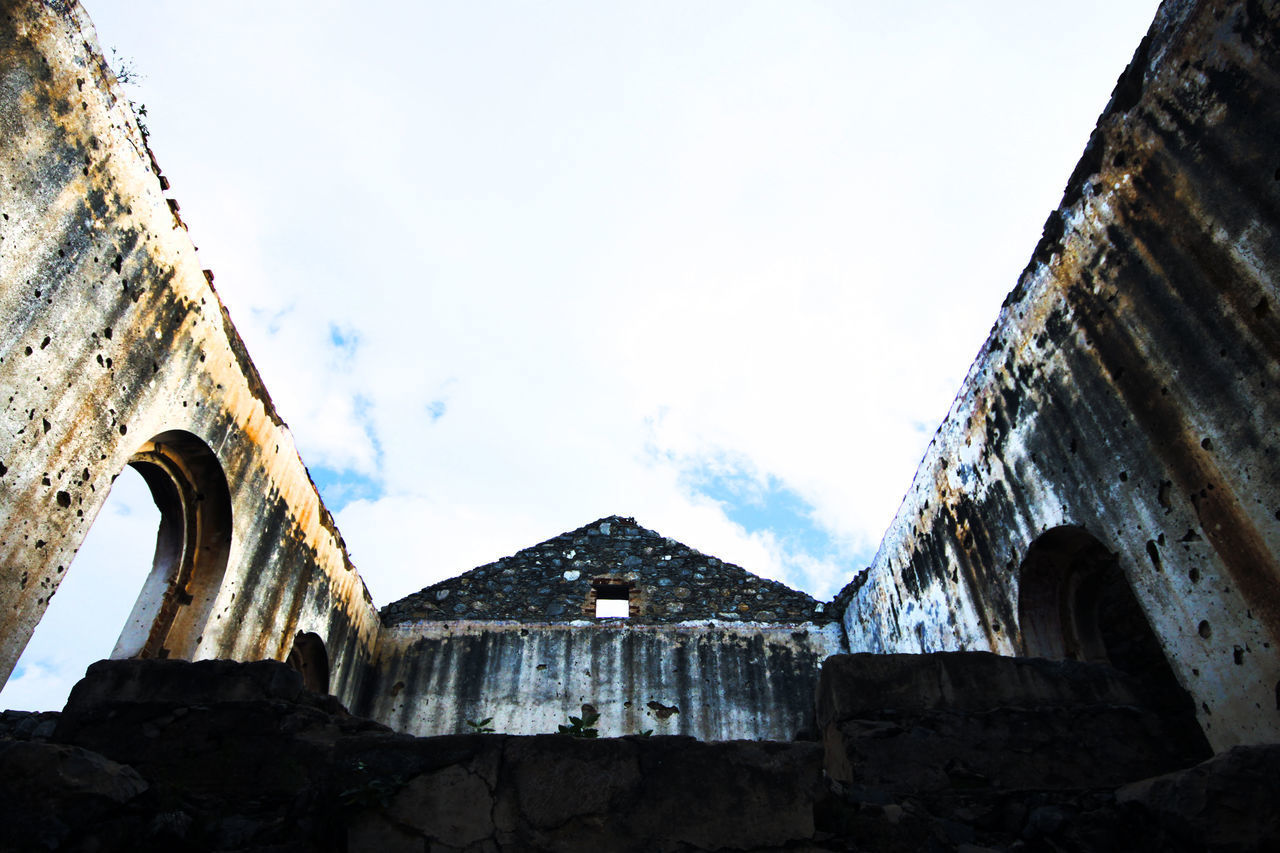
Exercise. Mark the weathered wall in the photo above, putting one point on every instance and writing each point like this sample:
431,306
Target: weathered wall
727,680
110,335
1129,387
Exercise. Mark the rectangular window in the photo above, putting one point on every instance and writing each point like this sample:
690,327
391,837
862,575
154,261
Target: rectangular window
612,608
612,598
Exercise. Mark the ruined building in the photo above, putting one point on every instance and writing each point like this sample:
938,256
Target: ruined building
1105,488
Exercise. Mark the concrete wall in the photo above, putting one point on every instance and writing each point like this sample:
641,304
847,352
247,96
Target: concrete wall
728,681
1130,387
112,336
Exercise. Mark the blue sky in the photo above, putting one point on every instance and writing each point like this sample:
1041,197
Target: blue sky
511,267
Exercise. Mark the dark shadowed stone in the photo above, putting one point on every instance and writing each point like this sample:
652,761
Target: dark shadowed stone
1230,802
370,832
453,806
734,795
557,778
917,723
217,727
46,769
28,725
272,774
48,790
853,685
183,682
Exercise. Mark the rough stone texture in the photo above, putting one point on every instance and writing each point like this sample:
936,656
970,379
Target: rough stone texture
51,788
136,711
971,751
1128,389
199,683
234,757
28,725
231,756
552,581
115,350
928,723
1226,803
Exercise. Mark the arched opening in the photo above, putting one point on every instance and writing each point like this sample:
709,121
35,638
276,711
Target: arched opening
1075,603
92,602
308,656
192,545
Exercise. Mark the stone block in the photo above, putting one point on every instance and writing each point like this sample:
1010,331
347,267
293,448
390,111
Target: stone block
185,683
1230,802
853,686
48,791
973,720
733,795
453,806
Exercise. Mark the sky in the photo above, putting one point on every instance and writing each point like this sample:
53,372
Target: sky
507,268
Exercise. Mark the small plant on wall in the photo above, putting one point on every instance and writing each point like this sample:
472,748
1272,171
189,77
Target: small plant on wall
583,726
480,727
127,74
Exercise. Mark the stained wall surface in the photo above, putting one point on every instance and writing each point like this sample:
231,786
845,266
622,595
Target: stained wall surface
706,648
1129,392
714,681
115,349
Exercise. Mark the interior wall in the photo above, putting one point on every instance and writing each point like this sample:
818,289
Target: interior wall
712,681
110,335
1129,387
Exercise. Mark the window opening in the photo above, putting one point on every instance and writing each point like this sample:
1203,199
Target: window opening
192,545
308,656
612,598
1075,603
612,608
92,602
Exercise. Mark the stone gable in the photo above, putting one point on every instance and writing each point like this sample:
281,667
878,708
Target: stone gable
560,580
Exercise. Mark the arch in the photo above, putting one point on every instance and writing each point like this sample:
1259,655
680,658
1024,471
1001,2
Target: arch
1075,603
1058,586
192,546
309,657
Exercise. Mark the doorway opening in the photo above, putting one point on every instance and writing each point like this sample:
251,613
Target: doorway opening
192,545
308,656
1075,603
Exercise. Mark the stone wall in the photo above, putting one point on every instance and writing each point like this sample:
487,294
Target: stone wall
115,350
553,582
1127,396
714,681
945,752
